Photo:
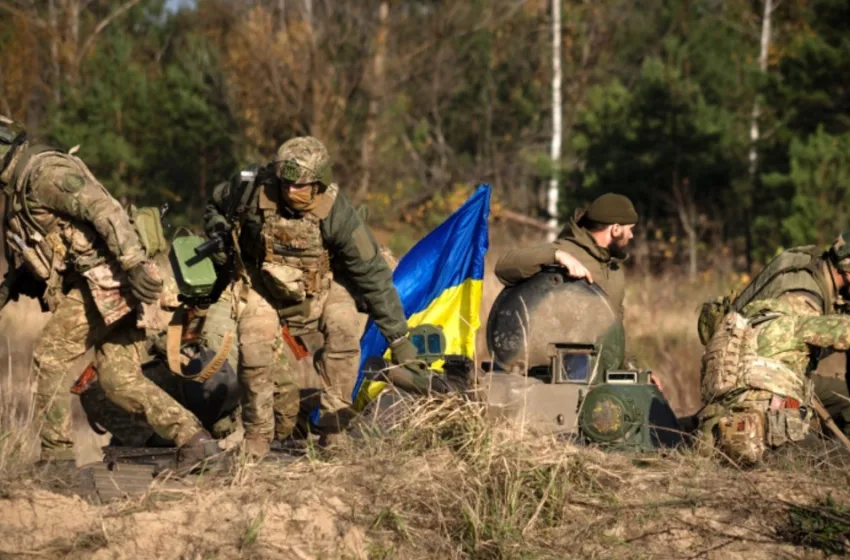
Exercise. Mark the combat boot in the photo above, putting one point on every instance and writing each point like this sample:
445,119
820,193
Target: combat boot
256,448
199,449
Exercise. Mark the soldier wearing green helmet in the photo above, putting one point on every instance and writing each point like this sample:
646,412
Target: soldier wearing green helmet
72,246
302,258
761,372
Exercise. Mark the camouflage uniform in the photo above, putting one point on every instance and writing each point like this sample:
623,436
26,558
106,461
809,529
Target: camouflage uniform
302,262
799,303
218,414
62,226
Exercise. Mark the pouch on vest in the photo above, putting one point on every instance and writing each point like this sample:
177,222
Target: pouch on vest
711,314
148,226
726,357
741,436
786,424
284,282
105,283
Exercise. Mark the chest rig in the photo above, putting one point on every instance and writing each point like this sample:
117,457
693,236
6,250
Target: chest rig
296,263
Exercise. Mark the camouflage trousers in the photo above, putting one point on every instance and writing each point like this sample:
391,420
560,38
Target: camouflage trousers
76,326
131,429
271,398
338,362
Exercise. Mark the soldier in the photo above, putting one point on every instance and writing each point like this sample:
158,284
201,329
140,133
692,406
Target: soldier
591,246
760,359
302,257
73,246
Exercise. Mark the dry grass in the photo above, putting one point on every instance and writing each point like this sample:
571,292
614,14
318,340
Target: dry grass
443,482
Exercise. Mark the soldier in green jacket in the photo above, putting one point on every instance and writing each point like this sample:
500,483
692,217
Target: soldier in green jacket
795,304
73,246
591,246
303,257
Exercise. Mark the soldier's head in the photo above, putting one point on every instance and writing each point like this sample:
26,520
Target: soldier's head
839,257
610,220
303,167
12,137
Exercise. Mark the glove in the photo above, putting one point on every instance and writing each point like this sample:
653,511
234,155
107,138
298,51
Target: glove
403,351
219,258
145,286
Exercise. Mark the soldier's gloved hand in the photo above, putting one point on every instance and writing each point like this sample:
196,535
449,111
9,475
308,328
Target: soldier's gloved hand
403,351
219,258
144,285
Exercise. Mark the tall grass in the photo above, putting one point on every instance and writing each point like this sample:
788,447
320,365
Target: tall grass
20,323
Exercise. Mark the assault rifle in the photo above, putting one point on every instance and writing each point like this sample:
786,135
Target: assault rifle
242,190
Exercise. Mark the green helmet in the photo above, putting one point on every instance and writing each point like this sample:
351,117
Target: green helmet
303,160
839,252
12,135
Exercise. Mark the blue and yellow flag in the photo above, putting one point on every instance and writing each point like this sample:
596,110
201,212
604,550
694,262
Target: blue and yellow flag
440,281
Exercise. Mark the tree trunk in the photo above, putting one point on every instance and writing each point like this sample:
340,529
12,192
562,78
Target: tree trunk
73,41
56,70
754,130
376,94
552,195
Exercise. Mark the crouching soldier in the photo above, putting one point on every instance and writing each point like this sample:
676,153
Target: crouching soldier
73,246
194,361
302,256
758,378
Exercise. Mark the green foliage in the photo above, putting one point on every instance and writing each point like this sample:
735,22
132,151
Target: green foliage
658,98
820,176
822,525
645,140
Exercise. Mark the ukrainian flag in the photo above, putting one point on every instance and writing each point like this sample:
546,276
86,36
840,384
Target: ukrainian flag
440,282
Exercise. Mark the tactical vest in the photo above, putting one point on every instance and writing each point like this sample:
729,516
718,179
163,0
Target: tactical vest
752,402
286,253
797,269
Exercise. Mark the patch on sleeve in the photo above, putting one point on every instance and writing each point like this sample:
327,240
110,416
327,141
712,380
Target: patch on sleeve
363,243
72,183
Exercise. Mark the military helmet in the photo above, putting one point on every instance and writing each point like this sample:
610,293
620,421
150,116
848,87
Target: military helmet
839,252
12,135
303,160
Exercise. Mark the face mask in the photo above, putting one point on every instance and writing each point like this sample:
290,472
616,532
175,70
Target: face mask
300,200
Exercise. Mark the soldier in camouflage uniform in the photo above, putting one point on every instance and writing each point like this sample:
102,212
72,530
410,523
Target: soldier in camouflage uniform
73,246
206,381
759,368
303,256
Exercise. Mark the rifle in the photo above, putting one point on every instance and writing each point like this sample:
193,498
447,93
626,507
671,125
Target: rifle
242,191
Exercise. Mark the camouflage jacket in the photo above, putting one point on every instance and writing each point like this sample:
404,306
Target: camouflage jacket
56,193
522,263
353,252
800,328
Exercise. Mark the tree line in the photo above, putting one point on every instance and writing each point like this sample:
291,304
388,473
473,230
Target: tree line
725,120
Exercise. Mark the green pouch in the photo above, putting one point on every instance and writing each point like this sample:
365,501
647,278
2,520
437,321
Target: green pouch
710,315
149,228
195,277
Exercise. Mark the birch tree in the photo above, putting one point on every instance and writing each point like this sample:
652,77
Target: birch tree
555,154
755,133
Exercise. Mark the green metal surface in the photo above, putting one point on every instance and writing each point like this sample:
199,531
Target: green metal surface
195,277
